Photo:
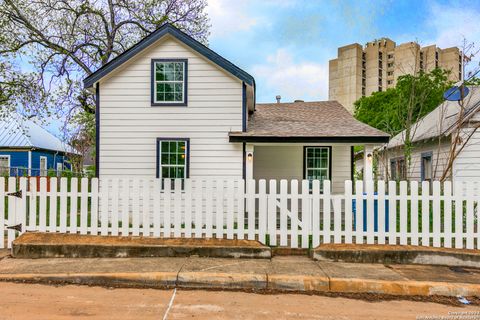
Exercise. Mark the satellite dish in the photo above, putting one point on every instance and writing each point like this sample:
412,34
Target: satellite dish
456,93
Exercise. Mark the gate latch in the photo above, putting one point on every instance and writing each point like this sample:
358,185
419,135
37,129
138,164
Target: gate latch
17,227
17,194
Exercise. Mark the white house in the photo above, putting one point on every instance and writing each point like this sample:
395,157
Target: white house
433,138
172,108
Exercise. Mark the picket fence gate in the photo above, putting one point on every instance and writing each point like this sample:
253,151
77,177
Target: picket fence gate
298,214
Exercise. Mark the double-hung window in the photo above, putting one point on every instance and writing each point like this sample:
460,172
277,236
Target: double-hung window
317,164
426,166
43,166
4,165
398,169
173,158
169,82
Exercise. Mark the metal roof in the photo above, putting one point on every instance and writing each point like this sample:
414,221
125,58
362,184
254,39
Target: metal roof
441,121
16,132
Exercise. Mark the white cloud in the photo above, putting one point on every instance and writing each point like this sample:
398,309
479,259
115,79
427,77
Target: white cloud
292,80
229,16
452,23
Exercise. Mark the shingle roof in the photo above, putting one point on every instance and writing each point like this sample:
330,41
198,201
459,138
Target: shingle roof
16,132
441,120
312,121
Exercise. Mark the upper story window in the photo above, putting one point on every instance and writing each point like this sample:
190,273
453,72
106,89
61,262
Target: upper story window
169,82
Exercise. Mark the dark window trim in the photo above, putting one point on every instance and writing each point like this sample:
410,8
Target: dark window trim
330,156
244,107
352,162
244,164
97,130
152,84
397,171
424,155
187,140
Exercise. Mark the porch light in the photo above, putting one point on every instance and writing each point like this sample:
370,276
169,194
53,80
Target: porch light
369,157
249,156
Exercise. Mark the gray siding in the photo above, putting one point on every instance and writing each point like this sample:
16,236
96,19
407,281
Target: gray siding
286,162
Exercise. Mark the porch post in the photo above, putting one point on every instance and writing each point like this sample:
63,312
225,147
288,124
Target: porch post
249,161
368,163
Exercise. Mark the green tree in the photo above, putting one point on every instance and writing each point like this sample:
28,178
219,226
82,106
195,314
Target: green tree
397,109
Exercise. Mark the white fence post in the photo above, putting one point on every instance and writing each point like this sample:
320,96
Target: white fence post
272,212
306,214
327,223
262,210
425,214
348,211
381,225
447,229
414,212
392,213
403,212
294,213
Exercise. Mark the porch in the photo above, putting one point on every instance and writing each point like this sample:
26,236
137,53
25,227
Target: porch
305,140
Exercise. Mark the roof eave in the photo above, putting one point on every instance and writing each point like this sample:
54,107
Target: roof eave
309,139
152,38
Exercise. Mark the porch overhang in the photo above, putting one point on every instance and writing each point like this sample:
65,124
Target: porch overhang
245,137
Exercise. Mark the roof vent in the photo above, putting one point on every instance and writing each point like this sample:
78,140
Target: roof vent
279,97
296,101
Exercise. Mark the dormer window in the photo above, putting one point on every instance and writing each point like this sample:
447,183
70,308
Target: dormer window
169,82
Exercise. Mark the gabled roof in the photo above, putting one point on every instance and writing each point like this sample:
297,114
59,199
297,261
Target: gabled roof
16,132
442,120
320,121
152,38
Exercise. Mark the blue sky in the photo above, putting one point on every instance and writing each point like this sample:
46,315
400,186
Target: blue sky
286,44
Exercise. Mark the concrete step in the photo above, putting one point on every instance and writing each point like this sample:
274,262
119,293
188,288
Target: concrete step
393,254
33,245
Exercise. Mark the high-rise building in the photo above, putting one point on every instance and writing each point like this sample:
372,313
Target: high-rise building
361,70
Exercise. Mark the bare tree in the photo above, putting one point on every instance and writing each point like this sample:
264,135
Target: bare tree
465,124
66,40
60,42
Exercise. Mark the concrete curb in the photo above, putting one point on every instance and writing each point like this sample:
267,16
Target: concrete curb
251,282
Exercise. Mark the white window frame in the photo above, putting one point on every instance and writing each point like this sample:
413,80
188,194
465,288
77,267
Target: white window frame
7,156
155,81
59,170
328,167
185,166
43,172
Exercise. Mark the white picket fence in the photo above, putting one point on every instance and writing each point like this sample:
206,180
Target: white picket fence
288,213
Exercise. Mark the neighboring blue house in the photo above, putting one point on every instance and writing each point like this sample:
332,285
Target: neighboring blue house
26,149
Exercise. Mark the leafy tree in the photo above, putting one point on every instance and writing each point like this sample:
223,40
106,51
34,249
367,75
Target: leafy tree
63,41
399,108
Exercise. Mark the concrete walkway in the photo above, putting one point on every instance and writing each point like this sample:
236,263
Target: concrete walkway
290,273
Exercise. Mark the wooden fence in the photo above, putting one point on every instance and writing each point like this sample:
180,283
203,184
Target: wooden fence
284,213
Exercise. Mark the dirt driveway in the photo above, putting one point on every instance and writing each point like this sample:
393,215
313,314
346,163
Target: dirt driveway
31,301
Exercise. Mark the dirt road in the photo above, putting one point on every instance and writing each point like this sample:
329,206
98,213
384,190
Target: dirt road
31,301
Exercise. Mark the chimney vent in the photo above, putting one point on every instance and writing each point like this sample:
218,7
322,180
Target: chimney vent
298,101
278,98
